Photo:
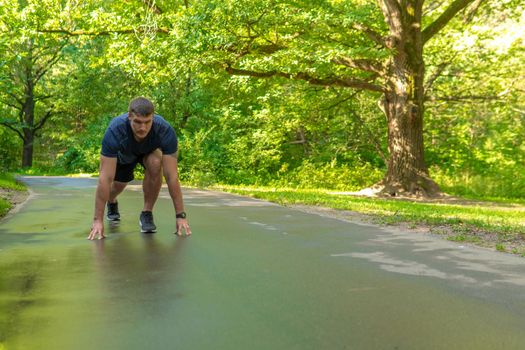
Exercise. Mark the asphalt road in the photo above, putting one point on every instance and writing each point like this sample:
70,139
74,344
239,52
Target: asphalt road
253,275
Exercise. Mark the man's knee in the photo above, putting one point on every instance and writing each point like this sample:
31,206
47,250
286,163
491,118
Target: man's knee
153,162
118,186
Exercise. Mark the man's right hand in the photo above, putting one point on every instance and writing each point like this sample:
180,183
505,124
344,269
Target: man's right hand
97,230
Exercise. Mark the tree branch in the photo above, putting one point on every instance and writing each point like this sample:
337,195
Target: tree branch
43,120
9,126
392,12
434,27
152,6
518,110
45,97
343,82
39,53
12,105
361,64
17,99
432,6
361,122
340,101
472,11
463,98
370,33
102,32
258,49
50,63
372,136
439,71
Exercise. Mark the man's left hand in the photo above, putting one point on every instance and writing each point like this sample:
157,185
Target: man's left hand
182,224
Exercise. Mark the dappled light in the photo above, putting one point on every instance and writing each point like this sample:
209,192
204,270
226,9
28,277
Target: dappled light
373,151
261,93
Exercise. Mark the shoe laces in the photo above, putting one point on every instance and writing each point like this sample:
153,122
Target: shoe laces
147,217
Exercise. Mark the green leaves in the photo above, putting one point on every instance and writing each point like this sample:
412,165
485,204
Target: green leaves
243,129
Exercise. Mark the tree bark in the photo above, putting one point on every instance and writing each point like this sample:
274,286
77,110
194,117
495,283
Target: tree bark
28,129
407,172
27,155
403,105
187,92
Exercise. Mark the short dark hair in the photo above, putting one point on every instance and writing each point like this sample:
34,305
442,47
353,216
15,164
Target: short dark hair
141,106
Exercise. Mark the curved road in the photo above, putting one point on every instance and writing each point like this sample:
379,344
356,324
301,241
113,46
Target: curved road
254,275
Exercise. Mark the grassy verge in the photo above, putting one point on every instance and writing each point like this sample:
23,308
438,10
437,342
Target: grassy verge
42,171
497,225
8,186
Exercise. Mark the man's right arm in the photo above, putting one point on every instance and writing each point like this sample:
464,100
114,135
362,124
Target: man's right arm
108,167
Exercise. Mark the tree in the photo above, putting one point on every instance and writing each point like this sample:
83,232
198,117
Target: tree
355,52
28,58
351,44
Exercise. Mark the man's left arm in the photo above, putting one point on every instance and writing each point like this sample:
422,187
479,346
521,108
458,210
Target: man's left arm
171,174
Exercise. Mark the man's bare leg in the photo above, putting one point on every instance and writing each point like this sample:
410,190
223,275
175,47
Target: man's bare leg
116,189
152,179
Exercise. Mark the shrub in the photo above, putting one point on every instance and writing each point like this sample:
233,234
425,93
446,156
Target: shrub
345,177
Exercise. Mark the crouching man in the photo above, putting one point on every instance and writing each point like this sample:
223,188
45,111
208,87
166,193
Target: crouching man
138,136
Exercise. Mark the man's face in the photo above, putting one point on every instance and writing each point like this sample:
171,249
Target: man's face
141,125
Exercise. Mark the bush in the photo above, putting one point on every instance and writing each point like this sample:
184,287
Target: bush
329,176
11,147
83,154
502,183
198,165
75,160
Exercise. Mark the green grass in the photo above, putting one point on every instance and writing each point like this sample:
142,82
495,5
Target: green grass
472,222
42,171
4,207
8,182
500,247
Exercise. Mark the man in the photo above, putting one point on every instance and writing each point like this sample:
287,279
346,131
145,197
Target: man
138,136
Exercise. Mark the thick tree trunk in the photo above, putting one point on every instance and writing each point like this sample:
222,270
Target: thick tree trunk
403,106
29,121
407,172
27,155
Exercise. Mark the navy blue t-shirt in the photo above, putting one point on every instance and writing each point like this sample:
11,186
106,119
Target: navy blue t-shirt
119,142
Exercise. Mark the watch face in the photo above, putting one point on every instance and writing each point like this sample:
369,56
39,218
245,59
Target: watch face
181,215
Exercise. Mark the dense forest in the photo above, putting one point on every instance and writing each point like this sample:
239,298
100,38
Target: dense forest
414,96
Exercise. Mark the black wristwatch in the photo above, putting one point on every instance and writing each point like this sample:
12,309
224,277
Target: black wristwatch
181,215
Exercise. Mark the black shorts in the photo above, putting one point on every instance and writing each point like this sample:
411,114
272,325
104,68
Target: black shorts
124,172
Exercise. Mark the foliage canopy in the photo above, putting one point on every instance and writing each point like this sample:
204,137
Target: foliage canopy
312,121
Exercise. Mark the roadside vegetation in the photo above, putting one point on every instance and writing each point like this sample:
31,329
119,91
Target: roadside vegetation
497,225
9,191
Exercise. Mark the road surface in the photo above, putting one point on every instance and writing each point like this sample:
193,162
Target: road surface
254,275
